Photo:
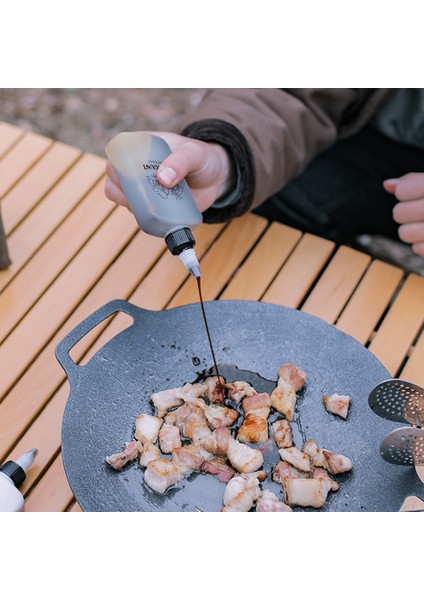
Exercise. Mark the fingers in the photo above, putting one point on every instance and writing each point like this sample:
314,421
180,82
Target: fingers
111,173
112,188
412,233
418,248
207,168
189,158
408,187
409,211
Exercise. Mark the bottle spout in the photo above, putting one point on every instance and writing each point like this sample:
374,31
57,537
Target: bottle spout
180,243
189,259
26,460
195,271
17,469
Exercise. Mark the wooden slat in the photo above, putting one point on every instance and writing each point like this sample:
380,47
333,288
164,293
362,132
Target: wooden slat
48,445
52,258
52,494
45,421
104,257
136,261
110,331
202,244
50,212
299,272
256,274
205,238
9,135
414,368
46,316
19,159
223,259
369,301
44,375
336,285
401,325
36,183
49,419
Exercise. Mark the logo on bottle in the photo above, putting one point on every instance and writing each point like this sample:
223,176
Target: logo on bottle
151,166
175,192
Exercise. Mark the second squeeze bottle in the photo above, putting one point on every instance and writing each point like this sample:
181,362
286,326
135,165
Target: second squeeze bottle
171,213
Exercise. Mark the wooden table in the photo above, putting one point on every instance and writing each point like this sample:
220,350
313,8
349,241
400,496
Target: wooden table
72,251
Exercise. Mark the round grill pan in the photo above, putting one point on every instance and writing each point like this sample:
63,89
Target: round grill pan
164,349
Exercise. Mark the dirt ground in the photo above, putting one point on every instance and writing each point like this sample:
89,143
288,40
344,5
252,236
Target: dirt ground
89,118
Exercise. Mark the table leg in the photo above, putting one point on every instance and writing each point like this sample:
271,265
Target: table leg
4,255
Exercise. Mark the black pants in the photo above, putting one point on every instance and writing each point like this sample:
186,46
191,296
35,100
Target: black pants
340,195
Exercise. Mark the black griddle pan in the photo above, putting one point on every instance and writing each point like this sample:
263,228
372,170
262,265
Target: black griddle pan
164,349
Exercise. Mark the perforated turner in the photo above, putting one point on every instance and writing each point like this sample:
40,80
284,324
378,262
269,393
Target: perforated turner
398,400
402,401
404,446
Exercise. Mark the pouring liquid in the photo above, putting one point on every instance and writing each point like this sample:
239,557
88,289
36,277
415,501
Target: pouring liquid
199,288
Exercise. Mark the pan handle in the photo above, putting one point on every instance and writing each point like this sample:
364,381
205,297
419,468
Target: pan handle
75,335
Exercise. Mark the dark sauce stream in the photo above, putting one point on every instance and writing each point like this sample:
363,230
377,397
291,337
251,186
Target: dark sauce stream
232,373
204,493
199,288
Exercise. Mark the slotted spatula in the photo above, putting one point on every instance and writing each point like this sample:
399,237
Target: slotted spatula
404,446
402,401
398,400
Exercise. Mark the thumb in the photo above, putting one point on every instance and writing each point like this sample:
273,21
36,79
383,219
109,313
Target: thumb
167,176
186,159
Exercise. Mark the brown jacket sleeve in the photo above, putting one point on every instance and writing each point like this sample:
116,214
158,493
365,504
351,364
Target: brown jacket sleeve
273,133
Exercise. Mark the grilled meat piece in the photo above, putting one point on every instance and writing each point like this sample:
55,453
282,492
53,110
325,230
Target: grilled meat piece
131,451
337,404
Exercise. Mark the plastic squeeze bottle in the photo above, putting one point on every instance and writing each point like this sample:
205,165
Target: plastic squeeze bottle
169,213
12,474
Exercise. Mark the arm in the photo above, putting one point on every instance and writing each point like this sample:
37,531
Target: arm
273,134
257,138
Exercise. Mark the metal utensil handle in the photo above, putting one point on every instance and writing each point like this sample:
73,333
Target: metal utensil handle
76,335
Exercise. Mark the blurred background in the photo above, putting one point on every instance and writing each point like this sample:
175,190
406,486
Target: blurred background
89,117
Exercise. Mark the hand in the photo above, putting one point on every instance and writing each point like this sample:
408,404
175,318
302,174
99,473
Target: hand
409,211
206,167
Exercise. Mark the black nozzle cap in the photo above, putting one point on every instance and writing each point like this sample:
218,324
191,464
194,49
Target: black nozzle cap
14,471
180,240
